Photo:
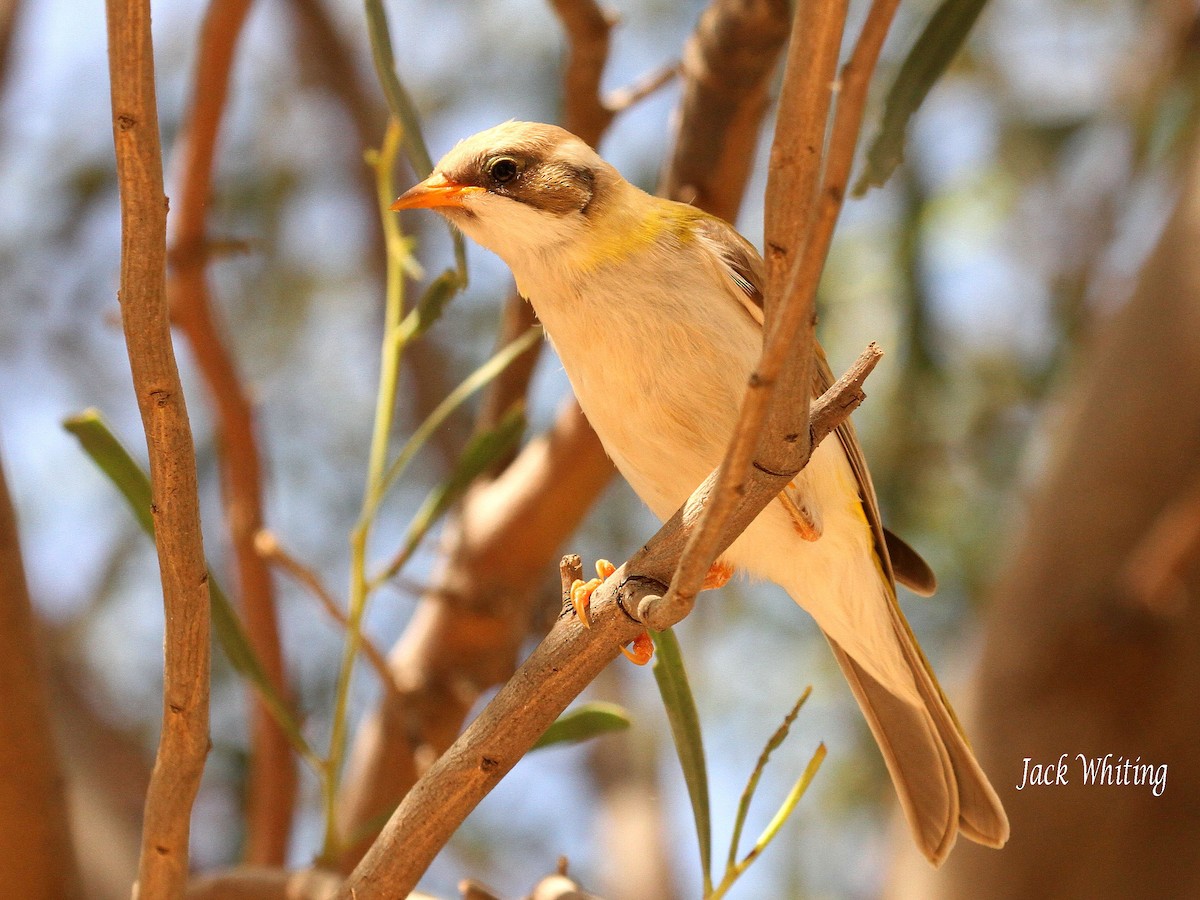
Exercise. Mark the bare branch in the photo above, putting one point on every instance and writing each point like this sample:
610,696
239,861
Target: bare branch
789,305
623,98
269,548
36,853
271,783
727,68
184,741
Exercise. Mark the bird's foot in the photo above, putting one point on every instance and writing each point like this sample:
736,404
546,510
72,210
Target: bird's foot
640,651
581,591
718,576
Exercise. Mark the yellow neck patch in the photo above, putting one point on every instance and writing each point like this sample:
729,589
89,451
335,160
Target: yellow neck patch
616,236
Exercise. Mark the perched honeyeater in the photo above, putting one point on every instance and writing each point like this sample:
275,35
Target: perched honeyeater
655,309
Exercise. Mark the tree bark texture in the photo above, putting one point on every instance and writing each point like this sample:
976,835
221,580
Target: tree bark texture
1078,660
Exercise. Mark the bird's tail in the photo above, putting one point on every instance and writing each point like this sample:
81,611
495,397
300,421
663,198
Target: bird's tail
941,787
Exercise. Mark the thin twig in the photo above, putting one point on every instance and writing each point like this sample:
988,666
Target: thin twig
621,99
272,551
179,764
320,46
271,781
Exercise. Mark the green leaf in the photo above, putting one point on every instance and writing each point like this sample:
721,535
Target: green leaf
111,457
431,305
787,807
481,451
472,383
403,110
929,57
775,741
680,706
584,722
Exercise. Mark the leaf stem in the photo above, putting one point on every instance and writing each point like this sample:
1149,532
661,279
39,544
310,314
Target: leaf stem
389,375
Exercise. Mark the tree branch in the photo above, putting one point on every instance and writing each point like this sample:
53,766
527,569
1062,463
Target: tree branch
556,672
271,781
269,548
727,67
37,858
184,741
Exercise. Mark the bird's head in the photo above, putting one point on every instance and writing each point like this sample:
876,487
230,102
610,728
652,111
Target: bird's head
520,189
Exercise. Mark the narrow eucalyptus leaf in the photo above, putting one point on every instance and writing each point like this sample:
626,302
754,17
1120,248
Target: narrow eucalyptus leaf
432,304
583,723
680,705
481,451
928,59
111,457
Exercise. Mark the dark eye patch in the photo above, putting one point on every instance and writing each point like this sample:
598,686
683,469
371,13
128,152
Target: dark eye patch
502,170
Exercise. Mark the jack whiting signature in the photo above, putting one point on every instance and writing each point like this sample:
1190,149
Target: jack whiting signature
1108,769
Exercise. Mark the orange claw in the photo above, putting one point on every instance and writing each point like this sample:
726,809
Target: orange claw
581,591
643,649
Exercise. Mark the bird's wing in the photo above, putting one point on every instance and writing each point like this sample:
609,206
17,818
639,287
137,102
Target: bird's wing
739,262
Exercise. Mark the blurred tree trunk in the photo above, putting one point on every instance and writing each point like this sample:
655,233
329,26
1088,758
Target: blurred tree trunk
1093,640
36,857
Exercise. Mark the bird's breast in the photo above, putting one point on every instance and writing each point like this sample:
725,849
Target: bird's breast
658,354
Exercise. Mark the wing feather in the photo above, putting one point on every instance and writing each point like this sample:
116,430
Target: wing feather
738,260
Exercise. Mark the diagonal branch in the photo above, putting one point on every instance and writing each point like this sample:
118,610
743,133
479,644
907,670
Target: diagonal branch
184,742
271,782
556,672
801,201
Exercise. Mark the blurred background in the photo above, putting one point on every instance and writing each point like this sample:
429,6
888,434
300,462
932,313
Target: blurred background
1040,176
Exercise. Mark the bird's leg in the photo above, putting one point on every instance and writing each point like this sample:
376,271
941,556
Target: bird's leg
642,648
803,520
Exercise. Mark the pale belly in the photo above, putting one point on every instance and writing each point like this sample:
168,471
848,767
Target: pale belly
662,388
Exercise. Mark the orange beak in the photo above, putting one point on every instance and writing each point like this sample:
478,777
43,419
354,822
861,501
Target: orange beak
433,192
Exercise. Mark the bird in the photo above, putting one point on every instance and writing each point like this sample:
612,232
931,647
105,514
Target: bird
655,309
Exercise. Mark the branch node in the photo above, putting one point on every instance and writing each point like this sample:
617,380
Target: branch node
570,568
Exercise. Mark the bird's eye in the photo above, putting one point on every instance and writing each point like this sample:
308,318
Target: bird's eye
503,169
